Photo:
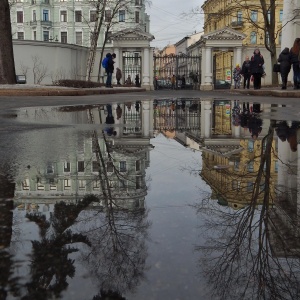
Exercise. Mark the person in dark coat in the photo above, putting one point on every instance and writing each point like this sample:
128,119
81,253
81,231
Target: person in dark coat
256,68
294,58
137,80
246,72
118,76
109,69
285,66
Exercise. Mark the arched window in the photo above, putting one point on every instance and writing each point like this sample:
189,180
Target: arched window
253,38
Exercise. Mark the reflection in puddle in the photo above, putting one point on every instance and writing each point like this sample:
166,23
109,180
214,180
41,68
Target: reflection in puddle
80,200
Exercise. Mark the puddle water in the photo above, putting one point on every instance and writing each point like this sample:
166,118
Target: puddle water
165,199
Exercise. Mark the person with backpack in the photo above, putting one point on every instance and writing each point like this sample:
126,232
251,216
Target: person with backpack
108,65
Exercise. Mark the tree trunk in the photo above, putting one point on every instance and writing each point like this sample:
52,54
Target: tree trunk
7,64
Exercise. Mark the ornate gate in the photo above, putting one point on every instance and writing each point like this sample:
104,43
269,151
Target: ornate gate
183,66
132,66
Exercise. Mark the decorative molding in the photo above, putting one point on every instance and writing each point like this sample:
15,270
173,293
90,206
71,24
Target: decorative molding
226,33
132,34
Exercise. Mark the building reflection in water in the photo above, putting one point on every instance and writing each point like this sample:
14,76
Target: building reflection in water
91,199
254,239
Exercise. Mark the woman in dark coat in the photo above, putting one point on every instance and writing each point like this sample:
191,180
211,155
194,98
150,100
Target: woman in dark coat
285,66
256,68
294,57
246,72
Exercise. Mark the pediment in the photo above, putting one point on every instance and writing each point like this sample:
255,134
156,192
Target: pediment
223,150
132,34
226,33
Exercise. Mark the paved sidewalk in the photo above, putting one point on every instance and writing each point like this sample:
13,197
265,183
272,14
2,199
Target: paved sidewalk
43,90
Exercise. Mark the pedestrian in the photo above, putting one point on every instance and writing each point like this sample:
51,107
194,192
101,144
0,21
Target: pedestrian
118,76
128,80
246,72
137,80
109,69
256,68
183,82
237,76
173,82
294,58
155,83
285,66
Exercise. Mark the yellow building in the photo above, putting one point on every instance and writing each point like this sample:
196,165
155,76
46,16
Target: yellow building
231,171
245,17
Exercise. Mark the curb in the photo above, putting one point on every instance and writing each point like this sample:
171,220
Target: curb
66,92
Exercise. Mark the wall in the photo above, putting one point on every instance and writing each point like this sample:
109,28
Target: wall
59,60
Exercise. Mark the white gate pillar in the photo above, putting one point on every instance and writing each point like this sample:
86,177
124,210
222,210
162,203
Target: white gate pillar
206,65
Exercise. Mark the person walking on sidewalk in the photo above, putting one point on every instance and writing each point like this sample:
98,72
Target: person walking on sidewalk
294,56
256,68
285,66
109,69
246,72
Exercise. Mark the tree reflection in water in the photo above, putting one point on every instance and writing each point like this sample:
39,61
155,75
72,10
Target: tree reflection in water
240,260
50,265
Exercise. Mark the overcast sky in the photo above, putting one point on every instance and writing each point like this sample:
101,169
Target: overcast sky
167,24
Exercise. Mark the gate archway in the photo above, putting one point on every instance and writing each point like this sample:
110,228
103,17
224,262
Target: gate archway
183,66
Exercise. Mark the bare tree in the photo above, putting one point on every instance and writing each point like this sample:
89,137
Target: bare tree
7,64
39,69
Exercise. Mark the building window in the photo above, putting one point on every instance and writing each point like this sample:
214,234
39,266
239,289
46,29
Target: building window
25,185
267,38
108,16
253,38
78,16
122,166
280,15
138,182
269,16
109,167
121,15
95,166
253,16
81,184
79,38
108,37
19,17
63,16
67,167
80,166
137,165
137,17
34,35
67,184
250,186
251,166
20,35
239,17
34,16
96,184
45,15
123,184
50,169
46,36
64,37
137,2
93,16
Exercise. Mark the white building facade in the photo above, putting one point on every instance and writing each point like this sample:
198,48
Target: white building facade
72,22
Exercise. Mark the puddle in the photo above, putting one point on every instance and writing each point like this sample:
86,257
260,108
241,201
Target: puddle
164,199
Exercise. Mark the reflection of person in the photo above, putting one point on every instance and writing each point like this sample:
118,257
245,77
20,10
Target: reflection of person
137,106
254,125
256,67
285,66
244,117
173,82
236,114
119,112
282,130
110,120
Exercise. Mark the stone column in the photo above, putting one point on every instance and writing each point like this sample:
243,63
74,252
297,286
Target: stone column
117,64
145,80
207,118
207,85
238,59
146,118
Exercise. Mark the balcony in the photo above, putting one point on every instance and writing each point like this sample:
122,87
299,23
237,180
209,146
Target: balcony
33,23
237,24
46,23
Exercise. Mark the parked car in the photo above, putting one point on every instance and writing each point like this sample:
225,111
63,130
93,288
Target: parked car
222,84
163,84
